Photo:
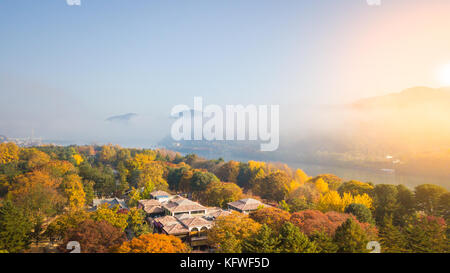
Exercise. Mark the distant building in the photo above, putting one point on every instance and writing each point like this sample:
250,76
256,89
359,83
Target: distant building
246,205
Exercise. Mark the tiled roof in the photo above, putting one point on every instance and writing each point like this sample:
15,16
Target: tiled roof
180,204
176,228
151,206
247,204
198,222
166,220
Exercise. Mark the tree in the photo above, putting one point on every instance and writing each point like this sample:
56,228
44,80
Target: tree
355,188
229,232
386,203
324,242
350,237
274,186
9,152
15,228
33,158
427,197
58,228
112,216
152,173
200,180
332,180
427,234
220,194
361,212
264,241
392,239
406,205
95,237
153,243
228,172
73,189
137,223
332,201
292,240
272,217
443,207
107,154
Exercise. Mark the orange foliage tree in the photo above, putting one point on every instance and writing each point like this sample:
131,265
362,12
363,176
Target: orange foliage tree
153,243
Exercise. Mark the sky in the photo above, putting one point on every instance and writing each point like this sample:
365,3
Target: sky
65,69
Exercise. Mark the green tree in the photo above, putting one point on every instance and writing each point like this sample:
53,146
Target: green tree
361,212
350,237
324,242
15,228
264,241
392,239
292,240
427,197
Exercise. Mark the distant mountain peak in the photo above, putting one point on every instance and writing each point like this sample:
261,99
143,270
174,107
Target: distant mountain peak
122,118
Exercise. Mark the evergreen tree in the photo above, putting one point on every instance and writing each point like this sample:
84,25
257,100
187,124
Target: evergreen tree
392,239
292,240
324,242
15,228
361,212
350,237
264,241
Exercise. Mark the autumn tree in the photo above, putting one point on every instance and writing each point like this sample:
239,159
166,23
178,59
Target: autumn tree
219,194
229,232
94,236
58,228
274,186
9,152
355,187
272,217
153,243
137,222
74,191
228,172
112,216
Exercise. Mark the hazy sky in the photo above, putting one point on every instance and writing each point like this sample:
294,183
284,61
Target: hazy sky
65,69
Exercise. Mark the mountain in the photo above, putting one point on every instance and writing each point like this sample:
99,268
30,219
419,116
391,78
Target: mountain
122,118
412,97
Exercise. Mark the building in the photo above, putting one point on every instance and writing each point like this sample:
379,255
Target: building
111,202
246,205
152,207
179,205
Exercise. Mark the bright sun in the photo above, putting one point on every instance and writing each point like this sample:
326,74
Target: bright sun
444,75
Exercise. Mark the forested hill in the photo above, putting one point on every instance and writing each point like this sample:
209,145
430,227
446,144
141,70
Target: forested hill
47,193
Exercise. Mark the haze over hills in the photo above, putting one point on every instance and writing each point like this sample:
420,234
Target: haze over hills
411,128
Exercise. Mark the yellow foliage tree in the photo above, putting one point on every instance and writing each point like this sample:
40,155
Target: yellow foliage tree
235,227
73,188
9,152
332,201
321,186
78,159
112,216
153,243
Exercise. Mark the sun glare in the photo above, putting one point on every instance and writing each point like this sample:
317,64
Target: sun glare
444,75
